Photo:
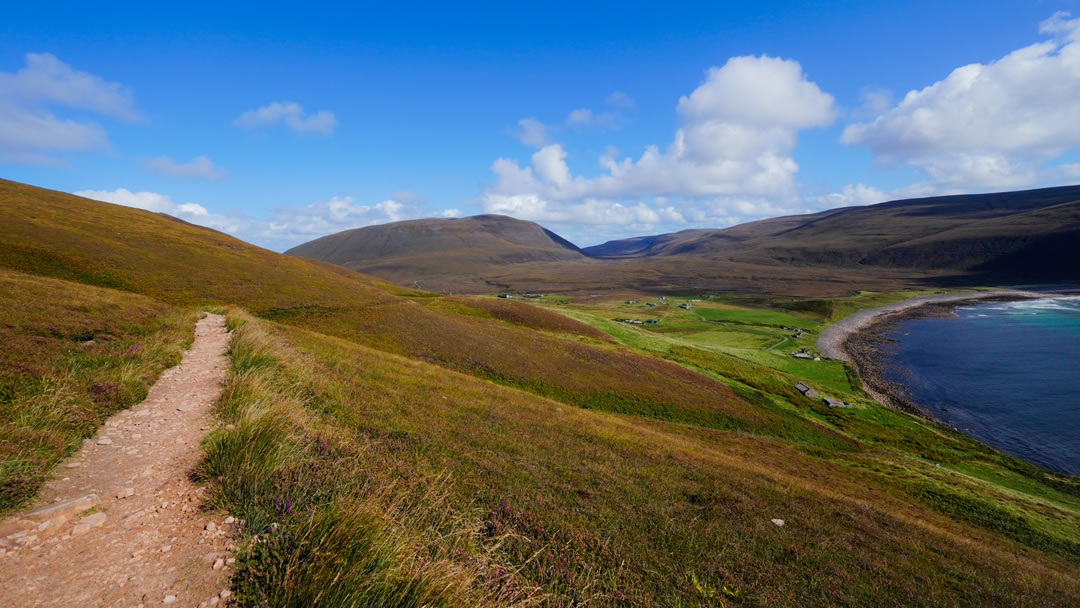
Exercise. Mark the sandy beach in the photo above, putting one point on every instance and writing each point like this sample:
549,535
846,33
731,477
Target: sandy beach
831,340
843,340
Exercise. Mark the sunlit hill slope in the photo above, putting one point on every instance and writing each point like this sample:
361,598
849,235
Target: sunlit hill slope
464,451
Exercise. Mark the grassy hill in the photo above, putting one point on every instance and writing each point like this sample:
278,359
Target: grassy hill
462,451
971,239
55,234
405,250
1019,231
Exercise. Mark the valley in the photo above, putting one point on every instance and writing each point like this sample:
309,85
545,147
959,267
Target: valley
387,445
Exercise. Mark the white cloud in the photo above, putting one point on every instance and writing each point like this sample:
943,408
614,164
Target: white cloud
288,225
764,91
200,166
584,117
619,100
161,203
993,125
580,117
850,195
531,132
294,224
730,157
29,131
292,115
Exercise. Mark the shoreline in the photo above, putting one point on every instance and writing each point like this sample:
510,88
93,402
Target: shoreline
860,339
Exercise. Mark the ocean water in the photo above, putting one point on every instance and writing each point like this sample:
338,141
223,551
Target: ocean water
1007,373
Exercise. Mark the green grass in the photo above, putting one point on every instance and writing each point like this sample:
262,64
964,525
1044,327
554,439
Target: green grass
753,317
70,356
766,378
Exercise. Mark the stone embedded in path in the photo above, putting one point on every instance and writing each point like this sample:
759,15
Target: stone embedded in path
779,523
219,564
126,492
66,508
210,526
169,599
95,520
104,441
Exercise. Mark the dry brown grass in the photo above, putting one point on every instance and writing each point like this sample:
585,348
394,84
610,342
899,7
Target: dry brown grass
605,509
71,355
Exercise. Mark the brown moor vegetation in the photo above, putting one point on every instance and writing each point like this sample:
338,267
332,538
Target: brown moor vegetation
422,450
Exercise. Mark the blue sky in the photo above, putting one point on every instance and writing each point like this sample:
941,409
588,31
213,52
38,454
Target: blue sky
283,123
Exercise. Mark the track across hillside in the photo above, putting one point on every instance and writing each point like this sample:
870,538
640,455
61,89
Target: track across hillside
122,524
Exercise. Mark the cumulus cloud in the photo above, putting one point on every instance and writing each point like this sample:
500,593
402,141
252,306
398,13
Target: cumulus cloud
200,166
992,125
850,195
304,222
30,131
287,225
580,118
161,203
731,157
292,115
531,132
584,117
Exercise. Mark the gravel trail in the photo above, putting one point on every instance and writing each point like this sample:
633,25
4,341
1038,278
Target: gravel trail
121,524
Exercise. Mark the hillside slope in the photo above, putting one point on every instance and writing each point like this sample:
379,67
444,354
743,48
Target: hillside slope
56,234
62,235
418,249
968,239
981,232
463,451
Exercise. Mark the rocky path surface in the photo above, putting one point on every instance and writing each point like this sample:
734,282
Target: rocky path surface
122,524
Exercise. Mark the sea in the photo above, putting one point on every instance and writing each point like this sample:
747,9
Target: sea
1006,373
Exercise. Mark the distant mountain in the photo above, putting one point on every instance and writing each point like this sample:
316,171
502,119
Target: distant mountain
418,249
1031,231
1007,237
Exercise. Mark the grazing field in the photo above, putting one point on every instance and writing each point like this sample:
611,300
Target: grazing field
71,355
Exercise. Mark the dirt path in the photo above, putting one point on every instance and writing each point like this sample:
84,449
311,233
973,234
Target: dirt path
123,525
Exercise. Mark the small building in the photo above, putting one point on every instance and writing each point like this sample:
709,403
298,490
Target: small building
834,402
653,321
807,391
631,302
802,356
505,295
